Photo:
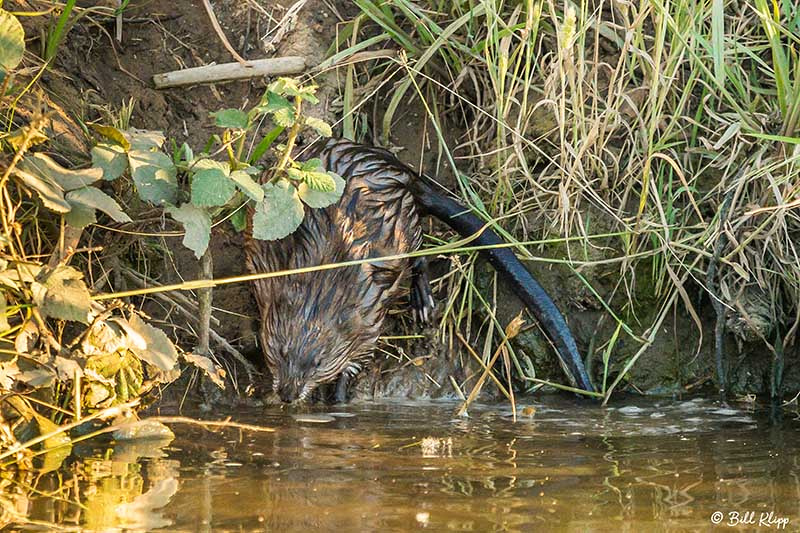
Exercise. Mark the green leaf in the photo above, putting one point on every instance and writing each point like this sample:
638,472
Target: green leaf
312,164
42,165
320,126
318,180
273,102
60,293
319,199
155,176
80,215
248,185
284,117
290,87
207,164
94,198
282,86
159,350
144,139
111,158
12,41
230,118
239,220
279,214
211,188
51,194
197,224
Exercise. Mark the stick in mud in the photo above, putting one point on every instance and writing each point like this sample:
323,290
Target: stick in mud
276,66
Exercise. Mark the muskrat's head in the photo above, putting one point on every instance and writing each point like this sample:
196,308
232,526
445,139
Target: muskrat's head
305,357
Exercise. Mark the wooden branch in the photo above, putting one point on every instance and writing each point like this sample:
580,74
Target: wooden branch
277,66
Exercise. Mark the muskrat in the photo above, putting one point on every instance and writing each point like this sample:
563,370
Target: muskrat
318,326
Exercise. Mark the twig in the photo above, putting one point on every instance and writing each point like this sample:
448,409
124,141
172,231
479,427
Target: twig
276,66
210,423
221,34
283,27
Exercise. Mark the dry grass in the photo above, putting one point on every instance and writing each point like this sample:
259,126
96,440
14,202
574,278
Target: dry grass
644,117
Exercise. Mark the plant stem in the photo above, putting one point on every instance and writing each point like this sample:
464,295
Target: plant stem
287,154
204,298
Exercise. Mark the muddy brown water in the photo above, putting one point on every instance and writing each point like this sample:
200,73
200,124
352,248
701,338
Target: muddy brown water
563,466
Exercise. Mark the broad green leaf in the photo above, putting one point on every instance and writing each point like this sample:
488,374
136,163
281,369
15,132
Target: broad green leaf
312,164
160,351
230,118
111,158
208,164
273,102
282,85
295,174
144,139
97,199
279,214
197,224
12,41
80,215
211,188
248,185
42,165
112,134
320,126
155,176
319,199
284,117
60,293
239,220
319,180
51,194
290,87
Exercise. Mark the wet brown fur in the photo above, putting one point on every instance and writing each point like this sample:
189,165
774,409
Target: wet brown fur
316,326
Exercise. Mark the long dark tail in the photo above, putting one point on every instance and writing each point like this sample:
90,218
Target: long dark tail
510,268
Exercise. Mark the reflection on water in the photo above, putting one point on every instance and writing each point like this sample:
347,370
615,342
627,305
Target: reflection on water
568,466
